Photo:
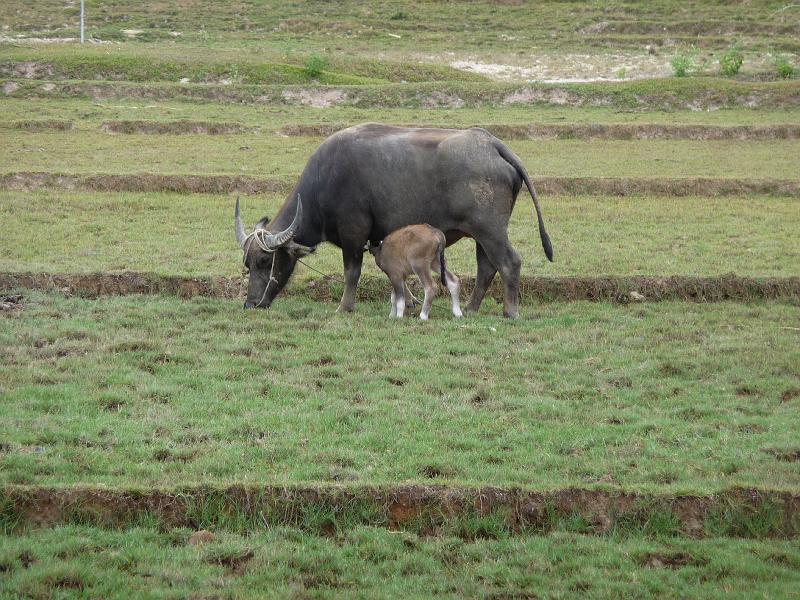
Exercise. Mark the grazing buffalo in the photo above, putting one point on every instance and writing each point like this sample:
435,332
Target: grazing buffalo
364,182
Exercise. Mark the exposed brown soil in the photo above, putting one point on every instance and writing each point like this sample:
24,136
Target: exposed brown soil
789,455
557,186
532,289
95,285
427,507
174,127
610,131
43,125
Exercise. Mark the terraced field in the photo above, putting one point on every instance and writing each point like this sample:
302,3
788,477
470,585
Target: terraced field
633,434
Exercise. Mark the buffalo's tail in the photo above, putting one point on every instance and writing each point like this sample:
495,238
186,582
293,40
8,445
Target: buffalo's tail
515,162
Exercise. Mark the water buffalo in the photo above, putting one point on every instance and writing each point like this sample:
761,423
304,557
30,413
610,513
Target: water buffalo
364,182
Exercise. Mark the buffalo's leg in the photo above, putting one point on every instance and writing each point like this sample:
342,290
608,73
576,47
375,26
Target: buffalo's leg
486,273
393,309
352,273
508,263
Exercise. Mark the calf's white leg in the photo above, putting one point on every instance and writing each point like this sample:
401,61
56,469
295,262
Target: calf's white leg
452,287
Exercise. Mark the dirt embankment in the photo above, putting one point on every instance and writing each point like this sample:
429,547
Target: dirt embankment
174,127
429,510
143,182
557,186
695,95
532,289
40,125
591,131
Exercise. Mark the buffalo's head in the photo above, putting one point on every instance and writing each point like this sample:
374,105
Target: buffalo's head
269,256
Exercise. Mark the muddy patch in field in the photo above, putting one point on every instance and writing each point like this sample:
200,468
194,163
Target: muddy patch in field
426,510
532,289
219,184
173,127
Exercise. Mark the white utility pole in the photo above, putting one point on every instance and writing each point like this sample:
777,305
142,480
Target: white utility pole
81,21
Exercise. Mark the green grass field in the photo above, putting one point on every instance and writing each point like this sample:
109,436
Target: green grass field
180,234
376,563
143,391
278,157
605,449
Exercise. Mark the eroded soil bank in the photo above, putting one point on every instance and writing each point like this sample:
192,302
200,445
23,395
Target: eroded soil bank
564,186
532,289
428,510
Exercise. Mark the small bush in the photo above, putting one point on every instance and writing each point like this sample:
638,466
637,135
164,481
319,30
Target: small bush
314,66
399,16
731,61
683,63
783,66
622,73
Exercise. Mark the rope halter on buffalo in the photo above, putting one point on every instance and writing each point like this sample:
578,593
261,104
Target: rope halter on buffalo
268,242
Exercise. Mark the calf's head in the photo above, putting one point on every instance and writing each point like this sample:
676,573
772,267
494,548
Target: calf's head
269,257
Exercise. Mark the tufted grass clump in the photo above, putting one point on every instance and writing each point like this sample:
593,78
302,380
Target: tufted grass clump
314,65
683,63
783,66
731,61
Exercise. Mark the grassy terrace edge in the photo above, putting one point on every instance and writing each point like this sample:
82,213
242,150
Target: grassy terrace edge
532,289
426,510
699,93
219,184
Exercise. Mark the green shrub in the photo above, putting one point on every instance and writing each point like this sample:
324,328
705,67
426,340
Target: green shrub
399,16
683,63
314,66
784,66
731,61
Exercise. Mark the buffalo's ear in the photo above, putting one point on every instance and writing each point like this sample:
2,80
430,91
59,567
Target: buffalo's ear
298,250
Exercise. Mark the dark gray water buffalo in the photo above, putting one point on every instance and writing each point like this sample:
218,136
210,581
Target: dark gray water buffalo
364,182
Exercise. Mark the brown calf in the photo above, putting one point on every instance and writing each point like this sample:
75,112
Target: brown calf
415,249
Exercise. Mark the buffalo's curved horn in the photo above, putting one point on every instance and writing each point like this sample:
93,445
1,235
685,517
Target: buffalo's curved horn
241,236
274,240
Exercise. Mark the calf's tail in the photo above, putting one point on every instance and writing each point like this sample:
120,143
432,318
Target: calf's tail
512,159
